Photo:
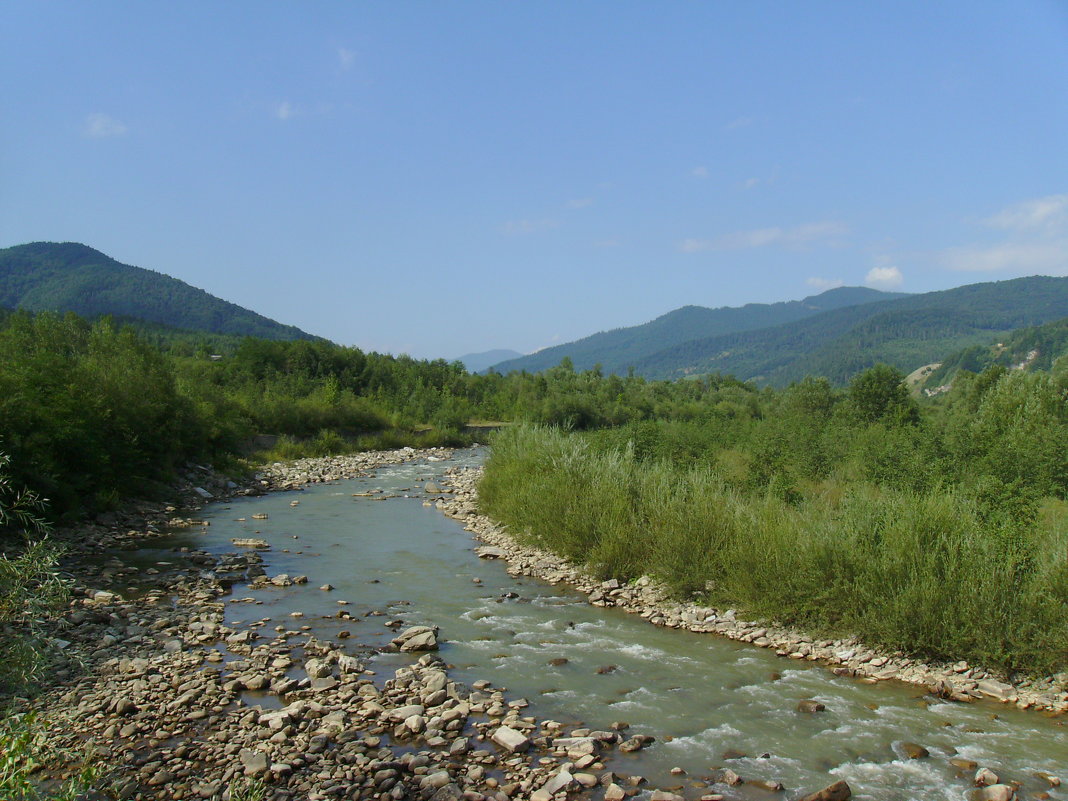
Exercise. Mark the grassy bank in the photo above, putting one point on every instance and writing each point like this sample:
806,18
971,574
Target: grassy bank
928,570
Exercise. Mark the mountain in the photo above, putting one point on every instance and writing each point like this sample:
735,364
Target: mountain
906,332
477,362
67,276
618,350
1033,348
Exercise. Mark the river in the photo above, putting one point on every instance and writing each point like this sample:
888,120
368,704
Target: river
710,702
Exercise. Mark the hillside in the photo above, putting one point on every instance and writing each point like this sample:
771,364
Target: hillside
905,332
618,350
69,276
1033,348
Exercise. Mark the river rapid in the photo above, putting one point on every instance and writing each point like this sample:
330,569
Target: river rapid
710,702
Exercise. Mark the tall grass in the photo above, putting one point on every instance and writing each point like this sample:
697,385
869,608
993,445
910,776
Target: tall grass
929,572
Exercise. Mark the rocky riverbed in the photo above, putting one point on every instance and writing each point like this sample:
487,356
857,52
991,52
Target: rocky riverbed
150,689
176,704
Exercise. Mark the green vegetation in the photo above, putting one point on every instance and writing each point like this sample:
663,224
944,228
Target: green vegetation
67,276
906,333
23,748
1034,348
92,413
940,531
619,350
836,334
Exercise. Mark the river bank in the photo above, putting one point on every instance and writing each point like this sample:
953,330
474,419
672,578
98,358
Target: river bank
848,657
153,689
323,727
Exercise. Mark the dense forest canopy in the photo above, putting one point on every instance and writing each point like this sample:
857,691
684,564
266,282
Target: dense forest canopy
68,276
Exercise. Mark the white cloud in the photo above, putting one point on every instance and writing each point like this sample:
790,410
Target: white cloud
751,183
285,110
101,125
528,226
1044,212
1025,257
795,237
884,277
580,203
346,58
823,284
699,172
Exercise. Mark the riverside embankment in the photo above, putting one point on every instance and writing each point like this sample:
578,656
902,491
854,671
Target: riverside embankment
225,667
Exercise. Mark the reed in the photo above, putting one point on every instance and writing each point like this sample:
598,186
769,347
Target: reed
927,571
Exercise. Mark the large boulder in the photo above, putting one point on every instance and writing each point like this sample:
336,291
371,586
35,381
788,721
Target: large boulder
417,638
510,740
839,791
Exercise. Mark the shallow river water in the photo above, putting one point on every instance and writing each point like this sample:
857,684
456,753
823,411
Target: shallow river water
699,695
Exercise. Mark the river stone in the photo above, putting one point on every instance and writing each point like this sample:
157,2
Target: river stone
435,680
914,751
1053,781
415,723
254,762
984,777
730,777
401,713
558,781
417,638
996,689
510,740
664,795
839,791
809,706
614,793
490,552
995,792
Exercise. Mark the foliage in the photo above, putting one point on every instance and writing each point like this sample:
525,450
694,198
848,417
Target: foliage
618,350
52,276
29,585
848,512
905,333
22,746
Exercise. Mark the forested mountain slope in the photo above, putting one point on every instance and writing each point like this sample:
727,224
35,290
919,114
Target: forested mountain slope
905,332
67,276
617,350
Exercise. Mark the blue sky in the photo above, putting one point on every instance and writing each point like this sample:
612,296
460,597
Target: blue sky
443,178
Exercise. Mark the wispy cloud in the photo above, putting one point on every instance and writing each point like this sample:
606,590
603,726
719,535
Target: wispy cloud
100,125
795,237
606,243
1031,215
285,110
751,183
739,122
346,58
888,277
1034,240
1027,257
579,203
520,227
823,284
699,172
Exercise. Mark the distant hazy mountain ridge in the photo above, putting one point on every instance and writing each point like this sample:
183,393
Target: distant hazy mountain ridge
836,334
906,332
67,276
477,362
618,350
